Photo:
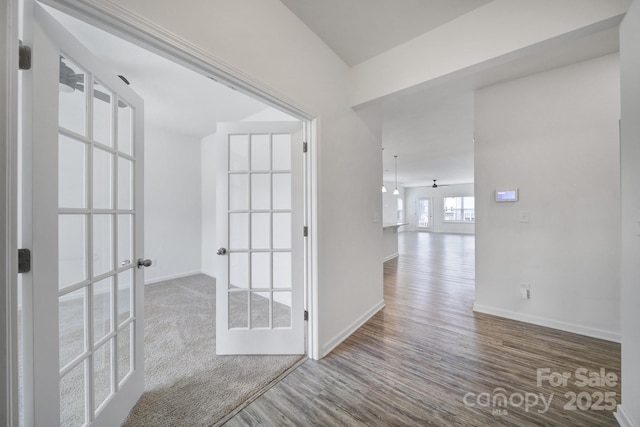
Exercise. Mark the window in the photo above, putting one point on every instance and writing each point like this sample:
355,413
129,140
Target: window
400,217
459,209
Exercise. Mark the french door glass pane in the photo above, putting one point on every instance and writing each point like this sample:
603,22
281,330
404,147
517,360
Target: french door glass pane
282,309
260,240
102,110
72,173
102,373
282,231
238,308
282,270
125,128
72,100
260,303
260,231
238,192
72,402
72,250
125,183
102,244
72,325
260,156
281,152
125,297
102,179
125,240
239,270
102,308
239,231
238,152
125,337
282,191
260,191
260,270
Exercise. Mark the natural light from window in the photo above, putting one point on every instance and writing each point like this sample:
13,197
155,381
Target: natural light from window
459,209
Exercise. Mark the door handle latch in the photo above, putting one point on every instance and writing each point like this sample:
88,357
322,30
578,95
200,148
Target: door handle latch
222,251
144,263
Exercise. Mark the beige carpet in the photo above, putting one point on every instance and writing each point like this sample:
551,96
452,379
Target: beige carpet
186,383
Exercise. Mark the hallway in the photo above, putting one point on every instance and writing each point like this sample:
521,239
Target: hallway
428,359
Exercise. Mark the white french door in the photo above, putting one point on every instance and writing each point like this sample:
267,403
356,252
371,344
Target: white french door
85,364
260,284
423,214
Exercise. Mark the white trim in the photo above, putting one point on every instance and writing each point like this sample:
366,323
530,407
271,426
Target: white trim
623,418
311,161
174,276
550,323
390,257
354,326
9,411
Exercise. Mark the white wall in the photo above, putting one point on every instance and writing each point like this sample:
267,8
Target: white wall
273,47
553,135
172,234
490,33
630,148
437,195
208,195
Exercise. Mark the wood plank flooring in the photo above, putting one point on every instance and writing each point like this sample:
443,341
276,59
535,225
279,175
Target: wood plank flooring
427,358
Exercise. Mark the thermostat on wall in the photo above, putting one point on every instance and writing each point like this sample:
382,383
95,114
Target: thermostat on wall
507,195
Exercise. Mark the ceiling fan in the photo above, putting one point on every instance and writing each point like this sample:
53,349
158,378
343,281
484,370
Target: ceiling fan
435,185
71,81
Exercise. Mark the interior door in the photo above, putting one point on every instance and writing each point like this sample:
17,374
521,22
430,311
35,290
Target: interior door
260,284
423,214
86,307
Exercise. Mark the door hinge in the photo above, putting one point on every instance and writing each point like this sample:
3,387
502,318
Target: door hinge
306,315
305,231
24,260
305,147
24,57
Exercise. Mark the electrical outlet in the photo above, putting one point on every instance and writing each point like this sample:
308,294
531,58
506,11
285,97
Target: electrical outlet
525,290
524,216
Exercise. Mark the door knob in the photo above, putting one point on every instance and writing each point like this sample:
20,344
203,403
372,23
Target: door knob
221,251
144,263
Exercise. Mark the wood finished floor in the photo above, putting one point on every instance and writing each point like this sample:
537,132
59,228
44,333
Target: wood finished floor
414,362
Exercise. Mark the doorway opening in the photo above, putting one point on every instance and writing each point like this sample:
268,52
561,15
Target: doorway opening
180,166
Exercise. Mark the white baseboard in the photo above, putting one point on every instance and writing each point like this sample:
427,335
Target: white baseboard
623,418
346,332
171,277
389,257
550,323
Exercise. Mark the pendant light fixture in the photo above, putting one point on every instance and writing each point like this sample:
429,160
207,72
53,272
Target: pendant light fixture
384,189
396,192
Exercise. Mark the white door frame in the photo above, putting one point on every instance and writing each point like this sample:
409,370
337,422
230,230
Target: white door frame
8,213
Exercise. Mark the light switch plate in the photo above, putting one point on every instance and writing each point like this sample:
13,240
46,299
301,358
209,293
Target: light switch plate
524,216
